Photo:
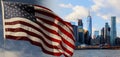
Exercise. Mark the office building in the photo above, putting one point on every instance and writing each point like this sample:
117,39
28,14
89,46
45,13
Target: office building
102,41
80,32
89,25
96,38
86,38
117,41
113,30
75,31
95,41
107,34
96,34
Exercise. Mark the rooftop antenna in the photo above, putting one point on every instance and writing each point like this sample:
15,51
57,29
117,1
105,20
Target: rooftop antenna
89,12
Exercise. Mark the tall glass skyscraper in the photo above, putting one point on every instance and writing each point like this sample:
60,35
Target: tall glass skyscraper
75,31
113,30
89,25
107,34
102,41
80,31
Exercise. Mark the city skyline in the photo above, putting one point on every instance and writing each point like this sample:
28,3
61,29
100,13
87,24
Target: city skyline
101,12
107,37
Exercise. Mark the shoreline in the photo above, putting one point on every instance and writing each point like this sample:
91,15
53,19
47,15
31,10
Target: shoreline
98,48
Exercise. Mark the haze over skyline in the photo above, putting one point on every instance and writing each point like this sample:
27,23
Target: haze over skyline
100,10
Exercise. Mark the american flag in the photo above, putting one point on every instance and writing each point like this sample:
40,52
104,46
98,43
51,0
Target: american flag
40,26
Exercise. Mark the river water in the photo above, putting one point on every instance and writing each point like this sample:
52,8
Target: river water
97,53
25,49
94,53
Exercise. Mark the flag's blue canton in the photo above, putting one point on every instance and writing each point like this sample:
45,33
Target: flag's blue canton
12,10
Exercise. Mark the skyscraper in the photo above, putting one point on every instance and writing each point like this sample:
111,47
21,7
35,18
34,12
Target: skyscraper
75,31
80,31
89,23
107,34
113,30
102,41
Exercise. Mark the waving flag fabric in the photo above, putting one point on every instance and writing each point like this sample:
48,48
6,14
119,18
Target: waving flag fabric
40,26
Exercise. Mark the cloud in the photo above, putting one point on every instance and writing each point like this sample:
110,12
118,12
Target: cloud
114,3
97,5
66,5
78,12
118,20
11,53
111,8
107,8
5,53
18,48
104,16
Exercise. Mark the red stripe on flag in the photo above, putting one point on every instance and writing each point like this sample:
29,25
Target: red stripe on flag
32,34
32,26
60,28
65,41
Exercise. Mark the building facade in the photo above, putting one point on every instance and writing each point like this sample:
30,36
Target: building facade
75,31
96,34
86,38
80,32
102,41
89,25
107,34
113,30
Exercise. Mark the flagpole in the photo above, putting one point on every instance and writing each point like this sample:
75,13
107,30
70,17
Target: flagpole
4,39
3,19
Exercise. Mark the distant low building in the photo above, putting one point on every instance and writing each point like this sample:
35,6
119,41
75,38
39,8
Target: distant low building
95,41
96,33
117,41
86,37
